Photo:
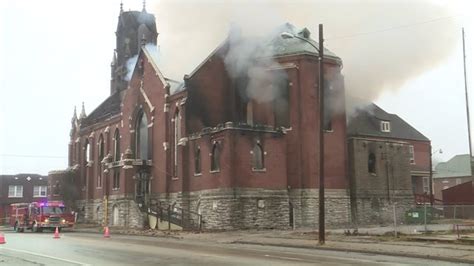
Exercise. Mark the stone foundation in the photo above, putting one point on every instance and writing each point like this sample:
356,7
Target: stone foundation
379,210
245,208
93,211
305,204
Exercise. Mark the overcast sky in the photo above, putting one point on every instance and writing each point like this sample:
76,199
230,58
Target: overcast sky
55,54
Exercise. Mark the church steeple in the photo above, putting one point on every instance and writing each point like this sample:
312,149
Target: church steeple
74,116
132,27
83,112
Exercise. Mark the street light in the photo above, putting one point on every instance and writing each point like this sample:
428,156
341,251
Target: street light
320,49
431,173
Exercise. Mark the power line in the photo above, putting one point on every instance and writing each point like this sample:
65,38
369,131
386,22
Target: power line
32,156
390,29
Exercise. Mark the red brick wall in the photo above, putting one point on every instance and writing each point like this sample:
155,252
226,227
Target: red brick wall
28,186
440,184
422,155
292,160
460,194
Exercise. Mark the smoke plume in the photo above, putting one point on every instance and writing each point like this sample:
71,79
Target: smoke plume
383,44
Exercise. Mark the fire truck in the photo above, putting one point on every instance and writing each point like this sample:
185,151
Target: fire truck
38,216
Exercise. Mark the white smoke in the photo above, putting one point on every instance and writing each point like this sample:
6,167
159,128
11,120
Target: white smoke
131,63
244,60
383,44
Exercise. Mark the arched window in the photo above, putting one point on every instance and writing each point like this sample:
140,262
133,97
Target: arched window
117,145
215,166
87,152
257,158
177,137
371,163
197,161
99,161
141,131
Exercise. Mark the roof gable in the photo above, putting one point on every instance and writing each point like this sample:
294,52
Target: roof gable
367,122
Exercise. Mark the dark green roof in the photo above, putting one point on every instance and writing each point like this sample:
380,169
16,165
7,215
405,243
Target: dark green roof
367,122
457,166
273,45
279,46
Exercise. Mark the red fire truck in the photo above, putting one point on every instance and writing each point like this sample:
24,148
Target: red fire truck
40,215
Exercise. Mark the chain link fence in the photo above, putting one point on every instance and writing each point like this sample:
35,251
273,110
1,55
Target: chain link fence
426,218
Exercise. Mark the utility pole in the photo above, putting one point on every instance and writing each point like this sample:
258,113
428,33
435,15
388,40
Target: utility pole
322,233
467,104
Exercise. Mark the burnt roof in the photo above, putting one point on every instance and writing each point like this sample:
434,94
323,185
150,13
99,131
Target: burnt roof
366,122
107,109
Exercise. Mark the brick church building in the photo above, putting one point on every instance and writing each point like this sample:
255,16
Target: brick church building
238,147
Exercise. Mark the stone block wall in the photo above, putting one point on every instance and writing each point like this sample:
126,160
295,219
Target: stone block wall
93,211
230,209
305,204
380,210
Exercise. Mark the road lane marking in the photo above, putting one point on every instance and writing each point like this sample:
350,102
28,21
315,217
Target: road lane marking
45,256
285,258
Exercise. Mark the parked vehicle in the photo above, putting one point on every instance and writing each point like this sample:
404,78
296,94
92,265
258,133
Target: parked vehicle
37,216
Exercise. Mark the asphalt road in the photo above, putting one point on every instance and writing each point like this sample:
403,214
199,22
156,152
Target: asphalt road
75,248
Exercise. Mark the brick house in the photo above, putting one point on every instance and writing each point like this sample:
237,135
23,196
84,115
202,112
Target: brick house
21,188
238,147
389,163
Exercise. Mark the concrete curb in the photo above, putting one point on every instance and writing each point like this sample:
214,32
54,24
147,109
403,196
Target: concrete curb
440,240
388,253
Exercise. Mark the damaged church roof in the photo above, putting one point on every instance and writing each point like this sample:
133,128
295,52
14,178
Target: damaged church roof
279,46
107,109
153,54
367,122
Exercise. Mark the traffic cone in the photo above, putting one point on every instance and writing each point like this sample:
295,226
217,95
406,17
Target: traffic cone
106,232
2,239
56,233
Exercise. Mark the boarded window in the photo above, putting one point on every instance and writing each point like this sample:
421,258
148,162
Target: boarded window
197,161
371,163
257,158
215,166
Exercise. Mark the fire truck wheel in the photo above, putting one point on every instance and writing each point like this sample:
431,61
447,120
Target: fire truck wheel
17,228
36,229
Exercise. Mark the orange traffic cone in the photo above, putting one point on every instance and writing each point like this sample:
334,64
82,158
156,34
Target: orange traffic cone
56,233
2,239
106,232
